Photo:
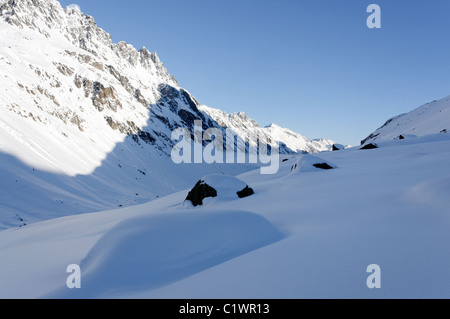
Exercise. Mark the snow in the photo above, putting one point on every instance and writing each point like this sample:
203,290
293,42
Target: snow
168,247
43,143
73,7
80,192
306,164
33,195
311,234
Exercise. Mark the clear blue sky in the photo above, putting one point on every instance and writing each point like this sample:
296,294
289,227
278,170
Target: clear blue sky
312,66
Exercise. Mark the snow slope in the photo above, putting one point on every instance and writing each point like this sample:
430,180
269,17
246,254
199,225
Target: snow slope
170,246
304,234
430,118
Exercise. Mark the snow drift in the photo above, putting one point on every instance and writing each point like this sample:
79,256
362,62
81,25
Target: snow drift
152,251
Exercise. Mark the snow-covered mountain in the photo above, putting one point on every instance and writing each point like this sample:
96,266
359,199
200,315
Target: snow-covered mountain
85,123
430,118
69,94
290,141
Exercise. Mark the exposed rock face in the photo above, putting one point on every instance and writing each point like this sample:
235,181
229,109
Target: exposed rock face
105,97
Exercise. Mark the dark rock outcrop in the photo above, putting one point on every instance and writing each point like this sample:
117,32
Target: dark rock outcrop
370,146
246,192
323,166
338,147
200,192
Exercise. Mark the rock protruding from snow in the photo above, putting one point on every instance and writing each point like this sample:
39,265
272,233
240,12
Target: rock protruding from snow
246,192
338,147
369,146
200,191
405,136
224,187
325,166
311,163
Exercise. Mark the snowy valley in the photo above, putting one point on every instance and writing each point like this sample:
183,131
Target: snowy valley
86,178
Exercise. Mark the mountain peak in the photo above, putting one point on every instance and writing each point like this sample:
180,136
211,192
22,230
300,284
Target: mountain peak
31,13
49,19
